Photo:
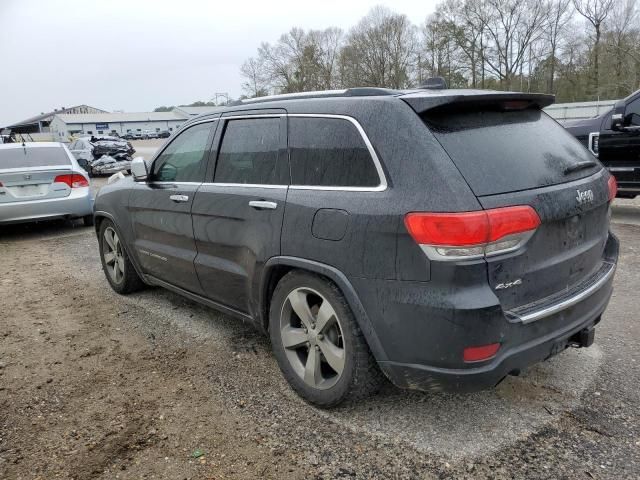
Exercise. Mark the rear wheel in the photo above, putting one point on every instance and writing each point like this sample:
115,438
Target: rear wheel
317,343
115,262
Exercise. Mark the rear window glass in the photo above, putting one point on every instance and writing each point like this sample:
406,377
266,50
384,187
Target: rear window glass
329,152
33,157
500,152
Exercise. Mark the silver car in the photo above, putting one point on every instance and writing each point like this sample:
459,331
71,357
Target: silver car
42,181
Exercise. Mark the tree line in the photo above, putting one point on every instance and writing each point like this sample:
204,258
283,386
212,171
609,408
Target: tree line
576,49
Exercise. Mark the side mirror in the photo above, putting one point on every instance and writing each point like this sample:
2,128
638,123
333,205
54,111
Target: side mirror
617,122
139,170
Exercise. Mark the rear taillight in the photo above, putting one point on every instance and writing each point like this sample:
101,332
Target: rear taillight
613,187
73,180
466,235
483,352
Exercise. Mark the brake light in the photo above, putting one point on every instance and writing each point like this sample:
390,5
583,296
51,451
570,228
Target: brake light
613,187
472,234
483,352
73,180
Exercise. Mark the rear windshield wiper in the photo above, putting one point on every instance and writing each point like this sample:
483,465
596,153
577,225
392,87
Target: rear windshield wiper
579,166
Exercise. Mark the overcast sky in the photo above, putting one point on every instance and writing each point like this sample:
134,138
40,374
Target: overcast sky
135,55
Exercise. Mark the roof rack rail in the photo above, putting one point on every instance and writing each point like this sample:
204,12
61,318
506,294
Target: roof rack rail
347,92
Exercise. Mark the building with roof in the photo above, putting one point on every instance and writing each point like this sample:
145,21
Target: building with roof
63,126
40,123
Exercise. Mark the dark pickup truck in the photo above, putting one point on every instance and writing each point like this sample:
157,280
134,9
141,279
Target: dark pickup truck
614,137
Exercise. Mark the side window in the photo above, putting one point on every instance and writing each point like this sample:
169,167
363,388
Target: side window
249,152
329,152
183,159
632,113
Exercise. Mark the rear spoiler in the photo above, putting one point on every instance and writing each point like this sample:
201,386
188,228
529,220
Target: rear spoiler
475,99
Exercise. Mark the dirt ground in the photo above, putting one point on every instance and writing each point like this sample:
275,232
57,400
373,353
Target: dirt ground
94,385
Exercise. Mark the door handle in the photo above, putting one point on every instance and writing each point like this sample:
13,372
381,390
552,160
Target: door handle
263,205
179,198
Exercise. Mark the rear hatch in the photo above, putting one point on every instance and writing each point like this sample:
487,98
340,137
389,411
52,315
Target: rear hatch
29,173
511,153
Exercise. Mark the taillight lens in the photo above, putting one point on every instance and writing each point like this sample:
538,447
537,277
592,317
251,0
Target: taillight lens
464,235
73,180
613,187
480,353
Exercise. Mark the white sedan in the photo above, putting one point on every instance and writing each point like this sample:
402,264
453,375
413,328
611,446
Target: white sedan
42,181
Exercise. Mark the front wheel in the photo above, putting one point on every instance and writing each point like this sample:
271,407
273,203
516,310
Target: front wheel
318,345
116,264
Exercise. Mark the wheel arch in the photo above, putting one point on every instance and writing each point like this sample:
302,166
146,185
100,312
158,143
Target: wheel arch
99,217
278,267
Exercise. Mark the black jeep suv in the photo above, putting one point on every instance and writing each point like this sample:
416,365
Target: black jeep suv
445,238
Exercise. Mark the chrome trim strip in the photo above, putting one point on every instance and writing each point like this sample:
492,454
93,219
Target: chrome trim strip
175,183
592,135
569,302
248,185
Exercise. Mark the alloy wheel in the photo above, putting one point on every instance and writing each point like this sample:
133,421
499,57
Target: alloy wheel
312,338
113,255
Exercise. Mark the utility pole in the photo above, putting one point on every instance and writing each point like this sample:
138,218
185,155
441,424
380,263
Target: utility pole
221,95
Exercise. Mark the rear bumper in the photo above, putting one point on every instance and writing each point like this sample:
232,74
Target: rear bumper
424,377
424,334
78,204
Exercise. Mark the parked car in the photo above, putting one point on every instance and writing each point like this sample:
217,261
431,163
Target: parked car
430,235
614,137
147,134
132,136
42,181
102,155
164,134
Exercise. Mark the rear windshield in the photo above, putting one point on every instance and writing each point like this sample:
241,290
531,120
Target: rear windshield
500,152
33,157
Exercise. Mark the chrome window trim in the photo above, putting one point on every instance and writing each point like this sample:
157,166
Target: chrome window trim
175,183
381,187
248,185
564,304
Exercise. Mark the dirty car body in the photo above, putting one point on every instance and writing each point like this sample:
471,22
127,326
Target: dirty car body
466,247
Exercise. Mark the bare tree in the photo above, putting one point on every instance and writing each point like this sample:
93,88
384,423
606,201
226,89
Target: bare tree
256,84
379,51
559,14
596,12
511,26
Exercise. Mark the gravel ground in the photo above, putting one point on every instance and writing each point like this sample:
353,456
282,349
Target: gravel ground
94,385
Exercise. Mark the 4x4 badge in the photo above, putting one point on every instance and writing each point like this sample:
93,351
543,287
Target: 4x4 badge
584,197
515,283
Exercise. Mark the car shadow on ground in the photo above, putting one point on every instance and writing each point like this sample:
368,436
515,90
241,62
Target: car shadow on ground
43,229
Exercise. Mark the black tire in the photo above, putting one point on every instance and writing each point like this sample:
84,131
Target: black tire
87,220
128,281
360,376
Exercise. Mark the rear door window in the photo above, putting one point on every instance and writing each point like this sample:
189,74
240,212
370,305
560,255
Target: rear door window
329,152
249,152
21,157
500,152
